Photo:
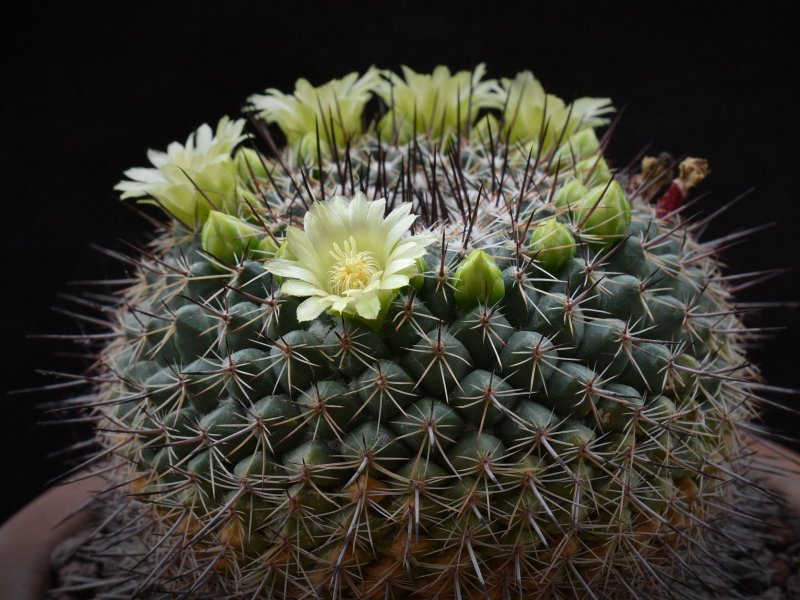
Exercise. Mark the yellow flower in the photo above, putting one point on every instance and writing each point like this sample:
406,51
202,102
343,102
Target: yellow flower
204,162
339,103
437,101
349,258
528,109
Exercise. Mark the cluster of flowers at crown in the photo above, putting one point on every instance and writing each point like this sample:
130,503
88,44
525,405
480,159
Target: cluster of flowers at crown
349,258
438,104
329,117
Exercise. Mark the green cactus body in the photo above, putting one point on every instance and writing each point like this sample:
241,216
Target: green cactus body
519,417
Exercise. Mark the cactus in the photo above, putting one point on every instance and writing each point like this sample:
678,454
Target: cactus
445,352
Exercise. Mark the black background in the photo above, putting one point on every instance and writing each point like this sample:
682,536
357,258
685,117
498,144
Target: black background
87,89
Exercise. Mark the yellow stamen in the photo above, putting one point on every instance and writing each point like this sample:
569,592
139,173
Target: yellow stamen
353,270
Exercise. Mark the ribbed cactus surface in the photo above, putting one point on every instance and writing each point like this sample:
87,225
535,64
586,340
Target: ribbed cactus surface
444,353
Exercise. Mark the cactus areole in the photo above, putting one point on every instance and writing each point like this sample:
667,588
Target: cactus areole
442,351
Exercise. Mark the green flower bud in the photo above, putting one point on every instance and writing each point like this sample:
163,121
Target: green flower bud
579,146
552,244
607,222
571,194
227,238
478,279
283,252
251,198
584,144
250,164
593,171
267,248
418,280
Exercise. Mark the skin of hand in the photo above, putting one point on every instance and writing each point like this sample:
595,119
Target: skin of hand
779,471
29,537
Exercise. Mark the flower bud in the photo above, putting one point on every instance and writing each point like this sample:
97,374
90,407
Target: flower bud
227,238
248,197
584,144
552,244
282,252
593,171
478,279
607,222
267,248
418,280
250,164
571,194
579,146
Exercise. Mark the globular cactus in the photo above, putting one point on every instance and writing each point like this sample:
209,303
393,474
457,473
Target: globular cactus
447,351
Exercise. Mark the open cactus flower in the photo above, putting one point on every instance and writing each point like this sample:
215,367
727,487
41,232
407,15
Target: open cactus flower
189,180
329,114
350,259
440,103
443,350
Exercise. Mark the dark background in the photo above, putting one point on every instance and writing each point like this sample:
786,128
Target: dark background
87,89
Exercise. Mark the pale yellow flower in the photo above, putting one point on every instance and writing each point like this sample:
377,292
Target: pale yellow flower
437,101
188,178
335,107
349,258
528,109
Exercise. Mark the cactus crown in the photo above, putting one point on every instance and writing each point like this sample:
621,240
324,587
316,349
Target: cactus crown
446,352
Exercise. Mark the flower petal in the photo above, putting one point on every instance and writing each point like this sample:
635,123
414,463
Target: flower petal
339,303
290,269
368,306
295,287
311,308
308,254
394,282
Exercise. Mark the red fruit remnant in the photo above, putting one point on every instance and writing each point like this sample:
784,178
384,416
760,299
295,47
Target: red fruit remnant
691,172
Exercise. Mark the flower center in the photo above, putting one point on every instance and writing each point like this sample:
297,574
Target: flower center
353,270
